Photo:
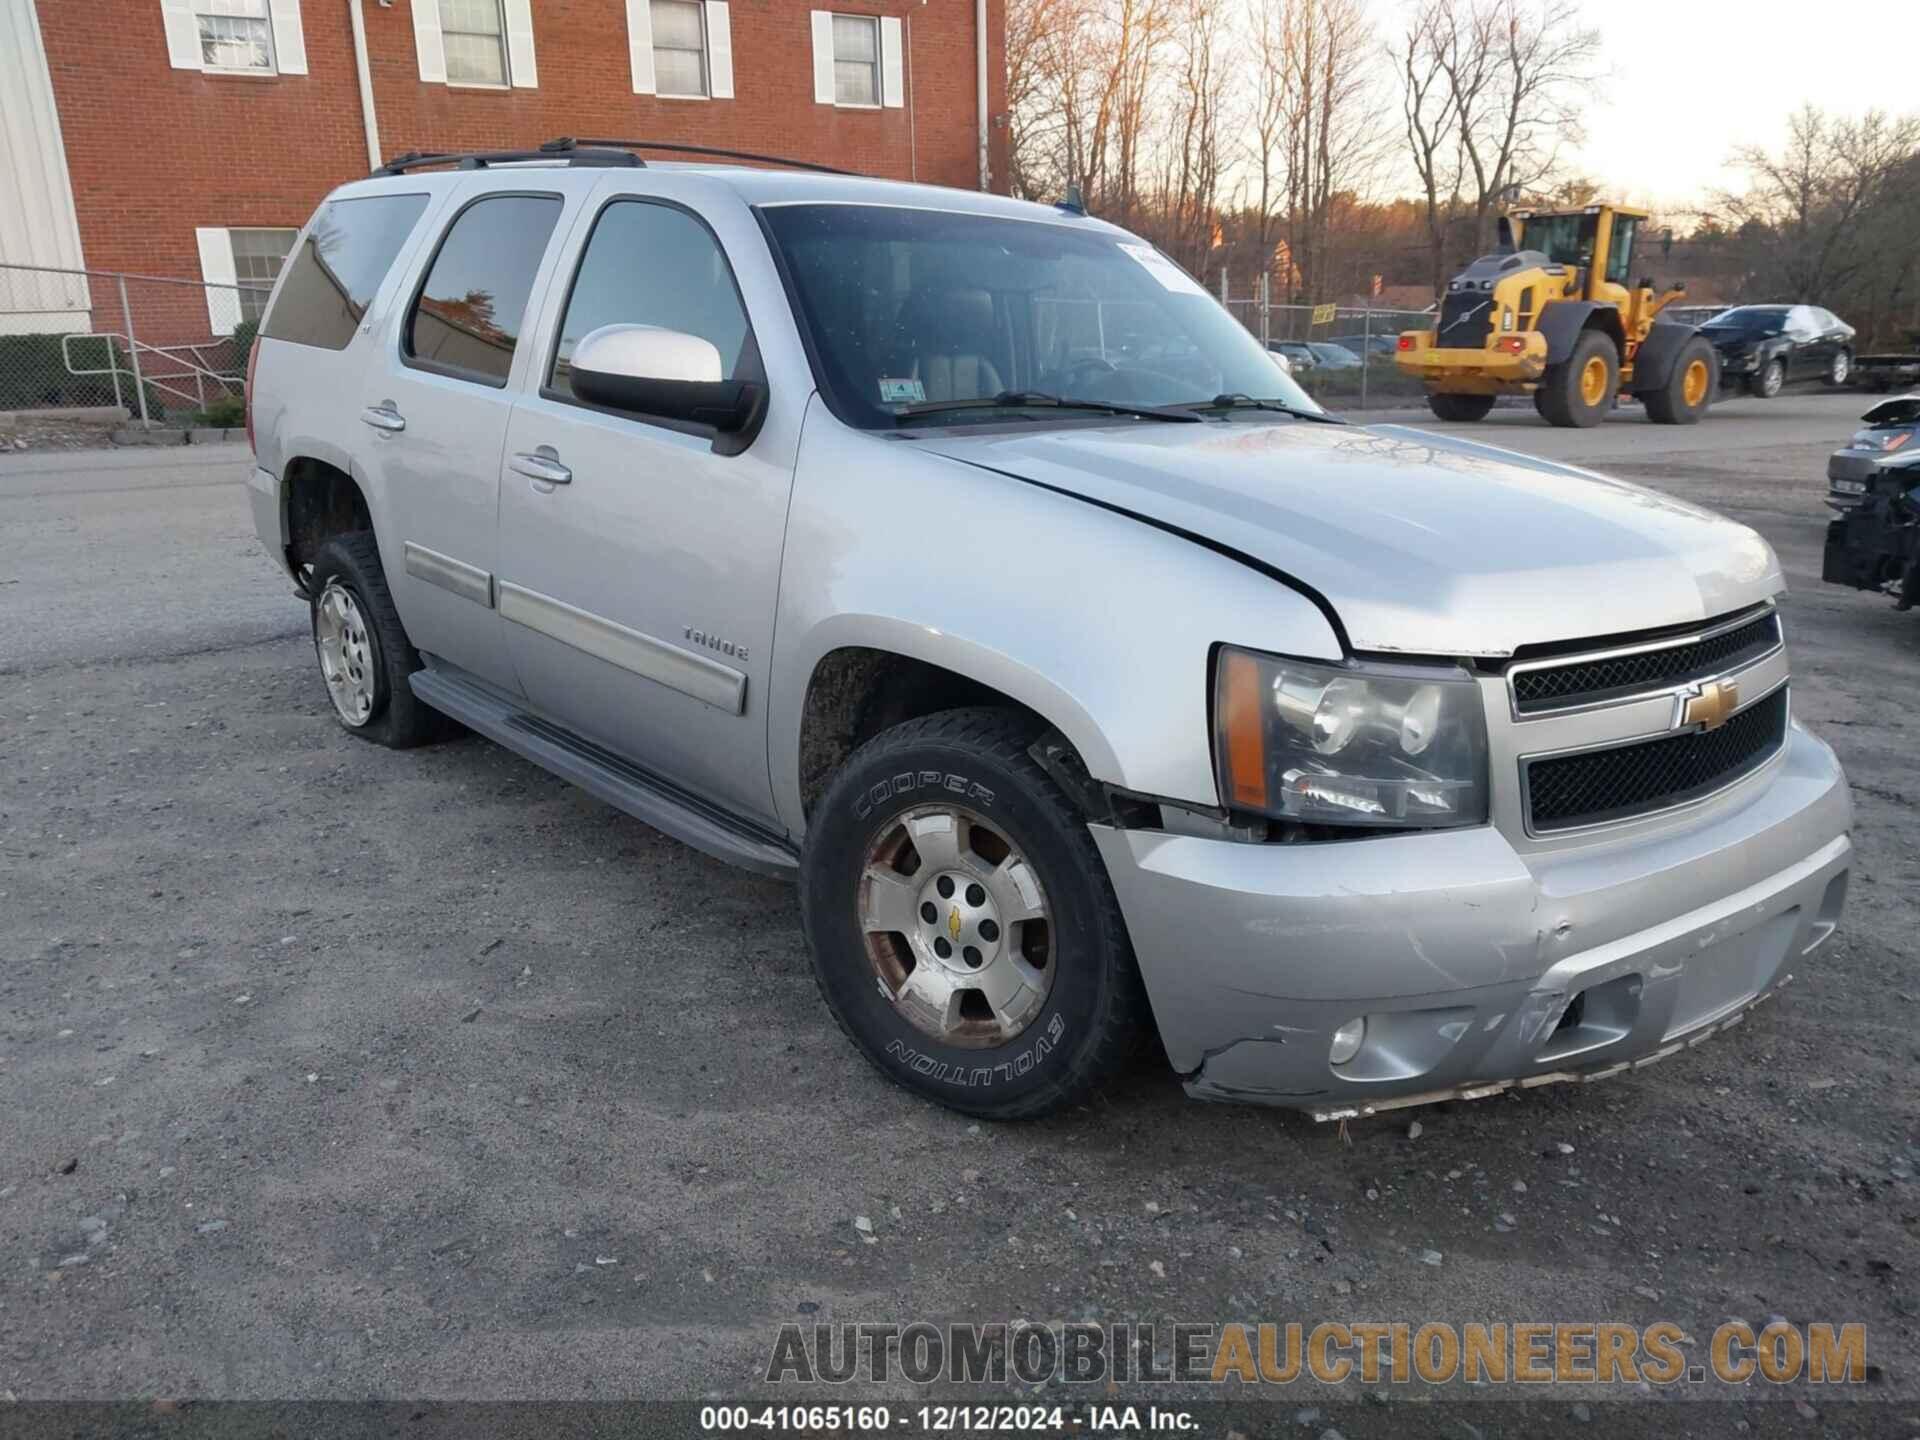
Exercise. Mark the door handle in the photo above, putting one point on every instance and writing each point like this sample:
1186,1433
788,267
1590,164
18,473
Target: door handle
384,417
546,468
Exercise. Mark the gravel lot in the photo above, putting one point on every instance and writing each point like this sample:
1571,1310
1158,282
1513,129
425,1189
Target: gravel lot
334,1072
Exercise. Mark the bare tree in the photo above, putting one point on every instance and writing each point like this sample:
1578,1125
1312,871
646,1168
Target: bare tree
1812,195
1491,90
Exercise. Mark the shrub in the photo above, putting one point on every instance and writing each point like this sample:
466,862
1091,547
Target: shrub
229,412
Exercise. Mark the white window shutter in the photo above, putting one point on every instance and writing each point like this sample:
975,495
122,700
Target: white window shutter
428,47
289,39
719,50
520,64
893,93
640,45
823,57
217,268
183,34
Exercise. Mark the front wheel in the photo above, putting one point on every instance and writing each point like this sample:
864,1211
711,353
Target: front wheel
1841,370
1460,407
1689,389
961,923
1770,380
1579,391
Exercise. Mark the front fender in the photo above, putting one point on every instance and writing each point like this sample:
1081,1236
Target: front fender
1102,624
1561,323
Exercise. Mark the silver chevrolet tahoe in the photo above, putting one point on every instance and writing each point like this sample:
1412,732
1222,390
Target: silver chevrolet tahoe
963,561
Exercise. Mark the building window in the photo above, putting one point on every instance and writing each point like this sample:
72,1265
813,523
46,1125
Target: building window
257,257
235,34
474,35
679,47
856,60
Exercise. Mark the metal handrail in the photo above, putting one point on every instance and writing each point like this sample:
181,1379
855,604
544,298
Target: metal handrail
195,367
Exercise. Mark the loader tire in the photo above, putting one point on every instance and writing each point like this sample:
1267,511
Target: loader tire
1460,407
1578,392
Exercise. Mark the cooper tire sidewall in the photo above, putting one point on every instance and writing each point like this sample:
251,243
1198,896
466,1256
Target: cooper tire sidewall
1044,1052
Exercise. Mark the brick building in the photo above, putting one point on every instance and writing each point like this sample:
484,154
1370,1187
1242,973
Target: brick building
192,137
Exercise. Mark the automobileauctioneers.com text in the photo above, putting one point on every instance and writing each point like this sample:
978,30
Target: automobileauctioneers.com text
1331,1353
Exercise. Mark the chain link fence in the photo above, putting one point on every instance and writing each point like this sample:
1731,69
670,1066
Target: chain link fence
1342,355
163,351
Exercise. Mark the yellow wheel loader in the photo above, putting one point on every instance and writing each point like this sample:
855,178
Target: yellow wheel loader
1551,314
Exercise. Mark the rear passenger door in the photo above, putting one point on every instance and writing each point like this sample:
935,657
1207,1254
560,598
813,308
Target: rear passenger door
639,568
434,420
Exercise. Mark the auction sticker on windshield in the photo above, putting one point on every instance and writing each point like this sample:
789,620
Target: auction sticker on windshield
901,392
1170,275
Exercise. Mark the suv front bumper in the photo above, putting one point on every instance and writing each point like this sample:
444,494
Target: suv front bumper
1478,967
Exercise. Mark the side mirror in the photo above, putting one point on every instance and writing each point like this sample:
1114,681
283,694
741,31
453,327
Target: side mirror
651,371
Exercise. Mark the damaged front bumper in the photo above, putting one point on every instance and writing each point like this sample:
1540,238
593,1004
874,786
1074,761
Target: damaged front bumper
1478,967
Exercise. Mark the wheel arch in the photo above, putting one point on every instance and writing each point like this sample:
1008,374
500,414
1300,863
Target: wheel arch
319,499
1564,321
1654,360
872,673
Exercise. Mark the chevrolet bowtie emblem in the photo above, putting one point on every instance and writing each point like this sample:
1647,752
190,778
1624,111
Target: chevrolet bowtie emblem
1710,706
953,924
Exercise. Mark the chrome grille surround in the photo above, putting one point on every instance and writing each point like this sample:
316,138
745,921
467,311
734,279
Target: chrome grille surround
1653,666
1630,720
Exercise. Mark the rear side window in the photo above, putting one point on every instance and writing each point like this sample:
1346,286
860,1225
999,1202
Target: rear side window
467,318
332,278
651,264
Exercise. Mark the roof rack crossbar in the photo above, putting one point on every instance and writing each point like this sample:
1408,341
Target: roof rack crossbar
568,150
675,148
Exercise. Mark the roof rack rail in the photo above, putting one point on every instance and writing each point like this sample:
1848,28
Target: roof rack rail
573,152
676,148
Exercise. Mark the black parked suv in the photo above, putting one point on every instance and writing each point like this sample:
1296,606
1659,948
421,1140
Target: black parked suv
1764,347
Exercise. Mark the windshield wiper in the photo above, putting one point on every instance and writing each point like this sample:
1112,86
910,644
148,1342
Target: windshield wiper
1035,399
1220,404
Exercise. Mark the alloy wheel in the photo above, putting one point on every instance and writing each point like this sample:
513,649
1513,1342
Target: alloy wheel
957,926
346,655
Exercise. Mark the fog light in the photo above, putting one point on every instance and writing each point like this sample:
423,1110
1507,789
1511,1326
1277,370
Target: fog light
1346,1041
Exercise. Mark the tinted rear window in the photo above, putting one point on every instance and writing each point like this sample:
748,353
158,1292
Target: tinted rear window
332,278
467,319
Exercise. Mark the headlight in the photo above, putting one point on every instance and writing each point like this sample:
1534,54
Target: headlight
1349,744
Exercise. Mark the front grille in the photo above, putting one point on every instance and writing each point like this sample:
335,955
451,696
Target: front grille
1598,785
1466,319
1610,677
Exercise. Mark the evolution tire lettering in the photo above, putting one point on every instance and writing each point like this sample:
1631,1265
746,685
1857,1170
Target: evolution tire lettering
885,790
976,1076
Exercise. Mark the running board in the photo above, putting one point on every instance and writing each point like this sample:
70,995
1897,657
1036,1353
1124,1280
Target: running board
604,775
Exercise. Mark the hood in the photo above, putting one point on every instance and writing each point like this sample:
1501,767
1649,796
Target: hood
1421,544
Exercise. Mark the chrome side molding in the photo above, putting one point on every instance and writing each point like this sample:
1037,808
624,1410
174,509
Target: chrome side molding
720,686
469,582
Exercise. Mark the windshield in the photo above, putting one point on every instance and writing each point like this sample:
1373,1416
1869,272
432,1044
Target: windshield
1563,239
1757,318
907,309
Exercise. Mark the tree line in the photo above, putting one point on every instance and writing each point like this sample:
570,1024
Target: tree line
1342,149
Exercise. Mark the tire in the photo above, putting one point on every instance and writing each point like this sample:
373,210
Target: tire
1841,370
1578,392
1768,380
1689,389
972,765
1460,407
363,650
